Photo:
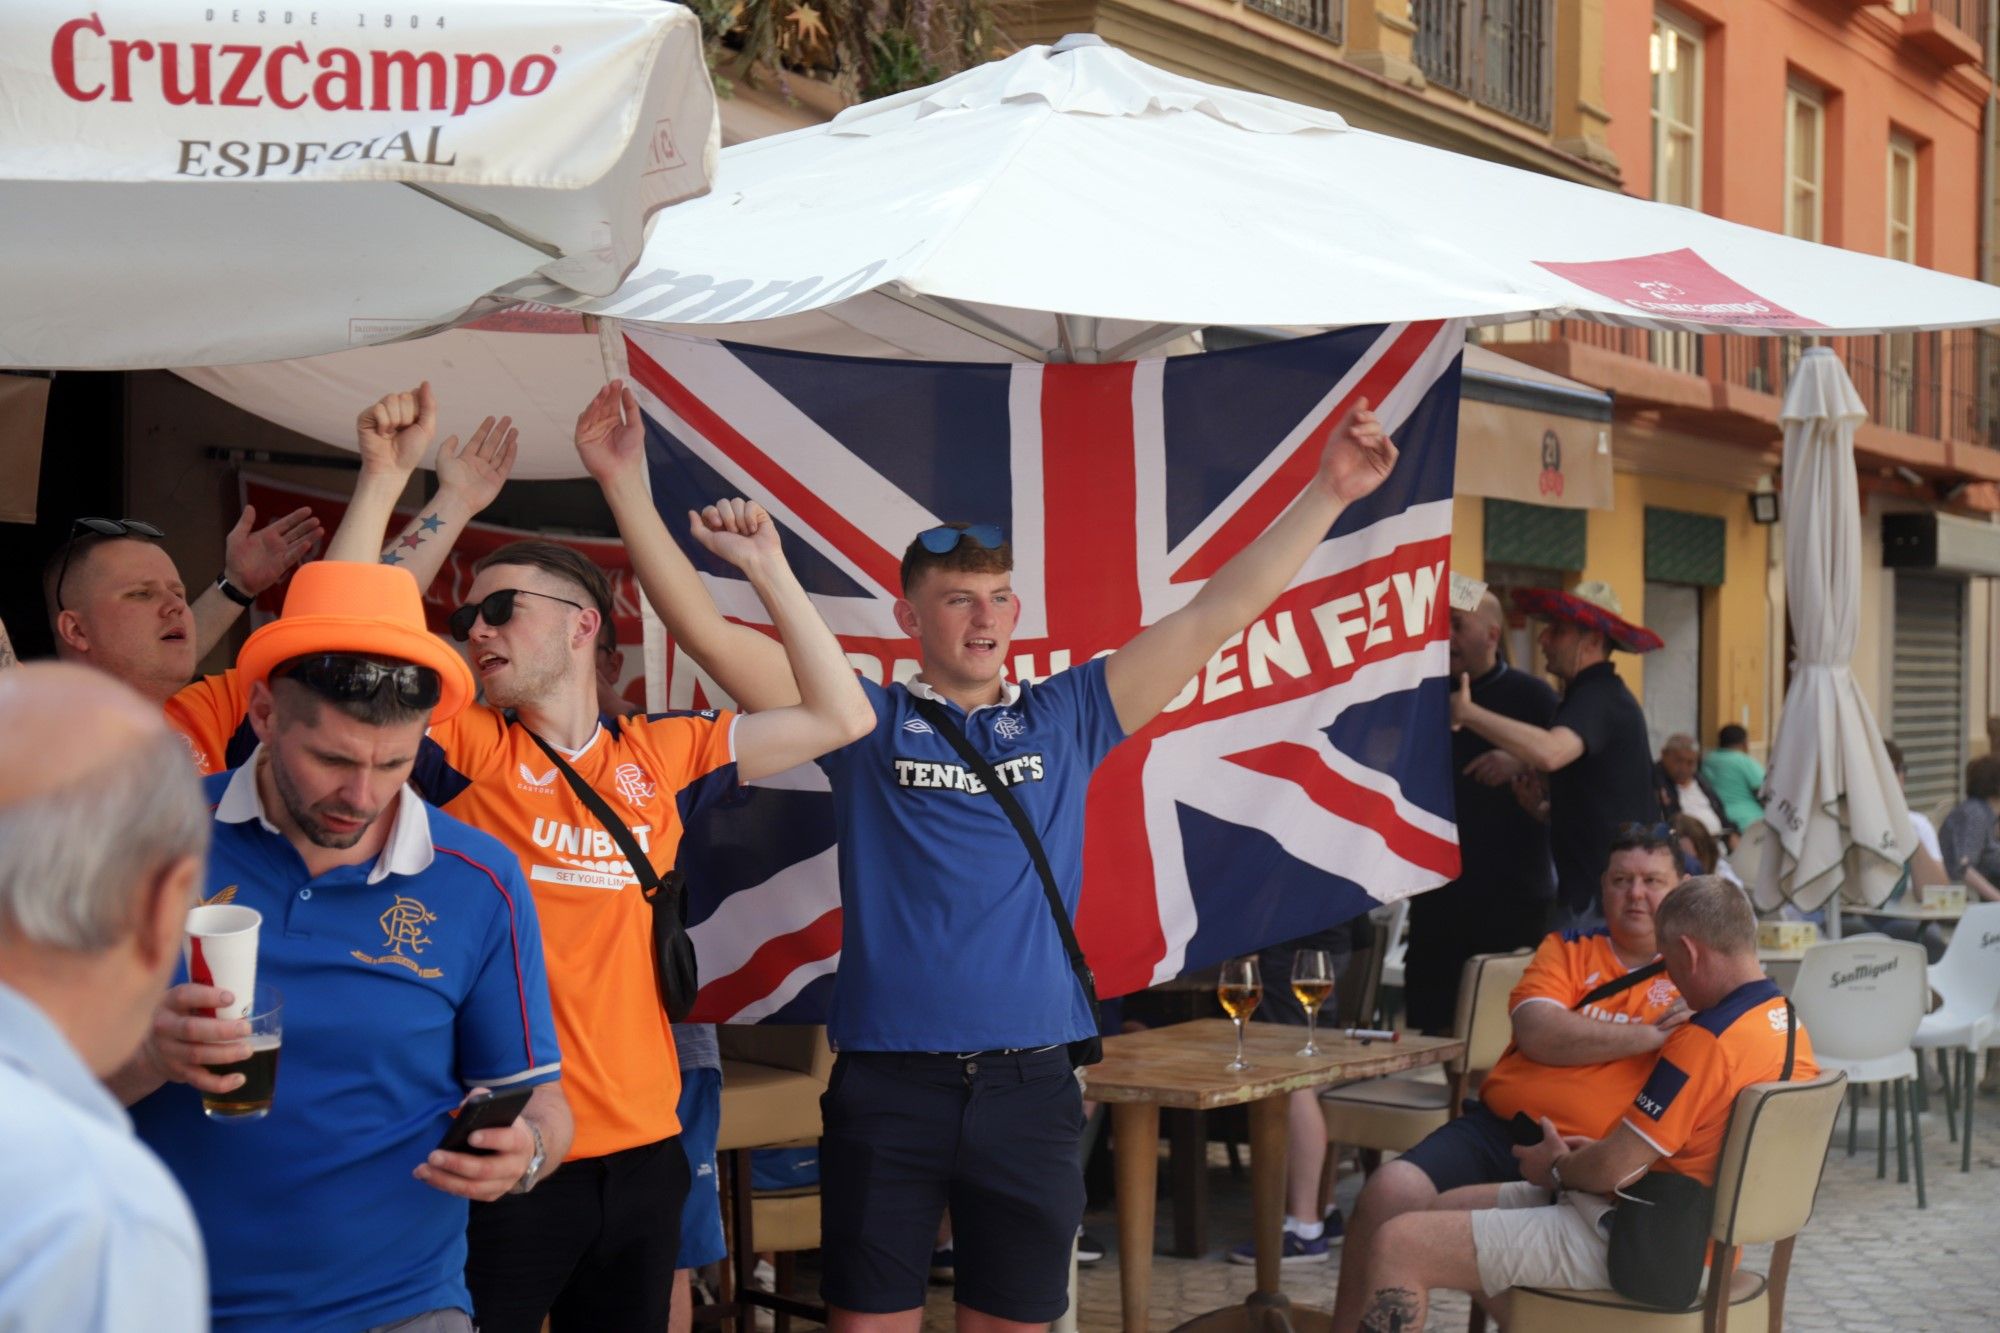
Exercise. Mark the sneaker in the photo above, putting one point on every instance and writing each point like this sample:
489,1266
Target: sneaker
944,1268
1089,1249
1332,1232
1296,1251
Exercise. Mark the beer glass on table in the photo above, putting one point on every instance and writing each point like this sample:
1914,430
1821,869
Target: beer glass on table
1312,982
252,1100
1240,989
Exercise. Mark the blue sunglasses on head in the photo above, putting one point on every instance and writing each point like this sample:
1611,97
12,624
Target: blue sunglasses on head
945,538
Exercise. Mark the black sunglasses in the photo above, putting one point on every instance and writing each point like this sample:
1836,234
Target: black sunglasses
945,538
102,527
497,608
344,678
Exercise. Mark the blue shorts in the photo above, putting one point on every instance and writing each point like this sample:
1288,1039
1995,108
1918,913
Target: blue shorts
995,1137
701,1216
1475,1149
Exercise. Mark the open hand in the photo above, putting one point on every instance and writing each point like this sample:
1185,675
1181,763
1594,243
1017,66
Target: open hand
473,1176
476,470
1358,455
393,432
253,561
611,434
738,530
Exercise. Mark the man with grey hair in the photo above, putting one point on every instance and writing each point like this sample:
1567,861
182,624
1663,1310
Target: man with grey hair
105,830
1684,791
1550,1228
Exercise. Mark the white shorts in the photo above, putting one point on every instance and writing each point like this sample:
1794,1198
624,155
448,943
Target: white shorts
1525,1241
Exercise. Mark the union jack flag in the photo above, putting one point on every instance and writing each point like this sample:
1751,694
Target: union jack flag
1303,777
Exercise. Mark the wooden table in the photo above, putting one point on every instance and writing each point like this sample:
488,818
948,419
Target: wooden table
1899,911
1182,1066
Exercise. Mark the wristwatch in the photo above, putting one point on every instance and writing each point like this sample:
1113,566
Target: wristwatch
527,1180
231,591
1555,1174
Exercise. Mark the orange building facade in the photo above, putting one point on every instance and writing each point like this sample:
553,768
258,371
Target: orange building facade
1857,125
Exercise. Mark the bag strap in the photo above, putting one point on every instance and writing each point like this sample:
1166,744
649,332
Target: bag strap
642,868
1791,1041
940,718
1624,983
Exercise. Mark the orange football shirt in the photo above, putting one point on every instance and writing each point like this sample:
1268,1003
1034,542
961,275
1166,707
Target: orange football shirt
620,1073
209,716
1581,1099
1684,1107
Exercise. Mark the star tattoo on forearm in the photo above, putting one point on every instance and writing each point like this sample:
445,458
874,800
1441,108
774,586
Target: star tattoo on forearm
412,538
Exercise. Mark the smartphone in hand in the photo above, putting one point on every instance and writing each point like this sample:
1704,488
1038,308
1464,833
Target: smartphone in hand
485,1110
1524,1129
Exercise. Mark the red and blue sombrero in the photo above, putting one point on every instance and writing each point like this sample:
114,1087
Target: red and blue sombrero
1592,605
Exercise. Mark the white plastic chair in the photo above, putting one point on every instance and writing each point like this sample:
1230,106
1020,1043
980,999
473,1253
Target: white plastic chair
1967,980
1862,999
1398,937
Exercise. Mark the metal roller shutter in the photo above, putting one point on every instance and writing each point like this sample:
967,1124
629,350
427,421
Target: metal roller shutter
1927,701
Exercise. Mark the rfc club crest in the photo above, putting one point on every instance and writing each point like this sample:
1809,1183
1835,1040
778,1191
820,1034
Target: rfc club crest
403,929
1009,727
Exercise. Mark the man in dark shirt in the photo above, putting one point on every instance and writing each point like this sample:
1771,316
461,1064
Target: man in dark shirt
1500,900
1596,754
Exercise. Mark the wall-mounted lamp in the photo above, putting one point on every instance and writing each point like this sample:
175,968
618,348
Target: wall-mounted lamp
1764,507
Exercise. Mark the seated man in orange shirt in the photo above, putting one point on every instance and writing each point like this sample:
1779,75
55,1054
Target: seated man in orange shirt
1552,1228
1585,1033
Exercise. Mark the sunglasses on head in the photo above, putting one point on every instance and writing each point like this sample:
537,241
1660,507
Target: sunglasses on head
101,527
497,608
344,678
945,537
1643,835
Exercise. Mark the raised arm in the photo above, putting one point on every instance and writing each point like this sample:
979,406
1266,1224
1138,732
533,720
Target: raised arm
1149,671
752,667
392,435
832,709
1544,749
1551,1035
251,561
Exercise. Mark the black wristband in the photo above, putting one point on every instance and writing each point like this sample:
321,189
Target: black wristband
231,591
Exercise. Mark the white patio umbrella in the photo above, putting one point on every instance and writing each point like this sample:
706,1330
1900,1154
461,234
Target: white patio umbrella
1834,816
183,185
1071,202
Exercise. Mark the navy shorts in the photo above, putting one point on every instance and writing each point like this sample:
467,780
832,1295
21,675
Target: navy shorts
994,1137
700,1114
1475,1149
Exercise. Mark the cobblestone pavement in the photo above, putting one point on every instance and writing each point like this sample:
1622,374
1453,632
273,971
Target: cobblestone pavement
1869,1262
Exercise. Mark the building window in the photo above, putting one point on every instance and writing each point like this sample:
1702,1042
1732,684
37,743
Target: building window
1805,160
1902,199
1898,407
1497,52
1676,60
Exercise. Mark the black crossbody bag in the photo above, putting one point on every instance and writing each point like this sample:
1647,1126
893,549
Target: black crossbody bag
1620,984
673,952
1089,1050
1659,1231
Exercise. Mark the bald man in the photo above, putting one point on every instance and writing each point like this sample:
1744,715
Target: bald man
104,829
1501,898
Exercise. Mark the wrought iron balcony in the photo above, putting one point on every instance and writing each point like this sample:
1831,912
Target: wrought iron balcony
1497,52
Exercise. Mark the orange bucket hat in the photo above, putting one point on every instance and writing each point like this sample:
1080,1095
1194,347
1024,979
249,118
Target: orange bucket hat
371,610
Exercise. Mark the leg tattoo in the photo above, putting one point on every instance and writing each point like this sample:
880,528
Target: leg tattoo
1393,1310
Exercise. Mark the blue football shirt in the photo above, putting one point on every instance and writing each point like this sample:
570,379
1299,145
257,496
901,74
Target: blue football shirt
406,982
946,939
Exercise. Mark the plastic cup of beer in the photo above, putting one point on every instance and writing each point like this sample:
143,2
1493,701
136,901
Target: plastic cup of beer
252,1099
221,950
